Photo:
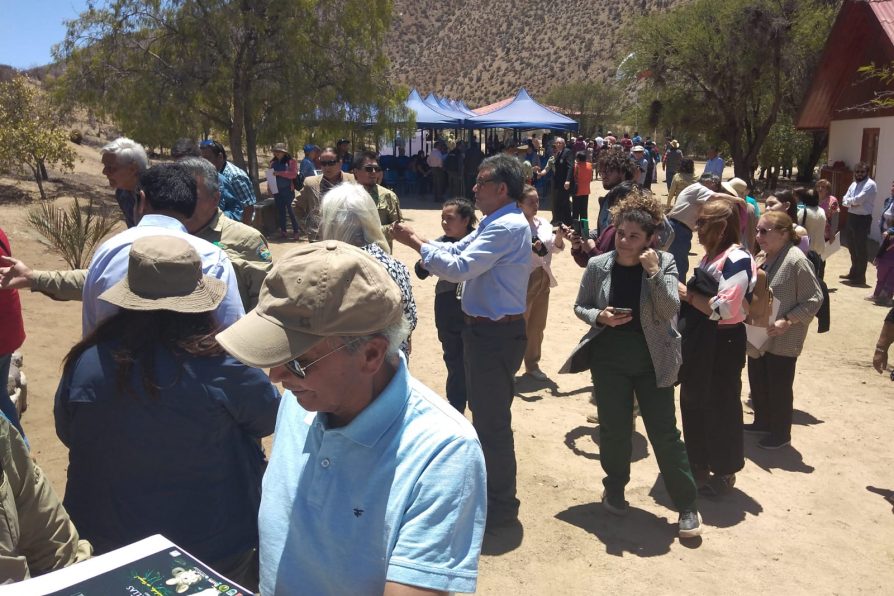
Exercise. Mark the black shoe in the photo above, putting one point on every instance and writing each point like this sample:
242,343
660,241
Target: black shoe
773,443
616,505
689,524
845,276
718,485
754,429
496,521
859,283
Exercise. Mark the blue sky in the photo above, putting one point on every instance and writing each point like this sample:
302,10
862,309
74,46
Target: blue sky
30,28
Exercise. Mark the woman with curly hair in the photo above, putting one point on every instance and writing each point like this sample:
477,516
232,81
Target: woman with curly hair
629,298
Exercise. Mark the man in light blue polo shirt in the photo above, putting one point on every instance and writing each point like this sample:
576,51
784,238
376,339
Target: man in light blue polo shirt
375,484
494,261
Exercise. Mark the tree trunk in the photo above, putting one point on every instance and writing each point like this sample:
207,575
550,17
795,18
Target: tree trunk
820,139
39,180
251,144
43,169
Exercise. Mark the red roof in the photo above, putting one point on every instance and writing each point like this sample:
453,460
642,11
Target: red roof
884,12
863,32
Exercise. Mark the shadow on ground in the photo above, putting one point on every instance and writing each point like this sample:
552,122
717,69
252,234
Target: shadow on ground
639,533
579,439
886,493
787,458
530,389
719,512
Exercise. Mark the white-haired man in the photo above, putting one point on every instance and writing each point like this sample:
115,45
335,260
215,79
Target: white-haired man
123,160
375,484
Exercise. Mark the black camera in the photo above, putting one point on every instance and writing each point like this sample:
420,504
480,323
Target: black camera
539,249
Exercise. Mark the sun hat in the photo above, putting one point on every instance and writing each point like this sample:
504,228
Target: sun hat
736,187
165,273
675,144
316,291
281,147
638,148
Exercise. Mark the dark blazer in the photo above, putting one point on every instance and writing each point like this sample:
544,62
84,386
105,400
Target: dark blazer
563,167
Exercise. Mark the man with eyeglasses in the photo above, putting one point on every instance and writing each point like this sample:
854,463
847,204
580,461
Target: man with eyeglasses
366,172
860,202
494,262
375,484
307,203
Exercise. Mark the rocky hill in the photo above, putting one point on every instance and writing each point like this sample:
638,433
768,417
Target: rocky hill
484,50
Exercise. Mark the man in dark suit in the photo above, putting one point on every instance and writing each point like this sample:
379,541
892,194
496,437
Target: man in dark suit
562,164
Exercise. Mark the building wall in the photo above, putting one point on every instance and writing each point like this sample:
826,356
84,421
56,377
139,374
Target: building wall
845,143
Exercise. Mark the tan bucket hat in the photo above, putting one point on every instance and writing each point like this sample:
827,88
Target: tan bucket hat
281,147
738,187
316,291
165,273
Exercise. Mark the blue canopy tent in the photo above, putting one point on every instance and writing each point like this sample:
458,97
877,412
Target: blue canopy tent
523,113
442,104
428,116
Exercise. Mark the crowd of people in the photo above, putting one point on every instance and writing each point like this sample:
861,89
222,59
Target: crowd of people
162,403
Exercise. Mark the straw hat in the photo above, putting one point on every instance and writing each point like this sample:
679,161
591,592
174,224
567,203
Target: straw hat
281,147
736,187
675,144
165,273
316,291
638,149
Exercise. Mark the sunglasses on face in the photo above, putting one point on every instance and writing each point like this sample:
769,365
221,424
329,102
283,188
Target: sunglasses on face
372,168
300,371
763,231
328,162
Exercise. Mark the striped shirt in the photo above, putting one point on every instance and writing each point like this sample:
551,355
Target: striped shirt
736,274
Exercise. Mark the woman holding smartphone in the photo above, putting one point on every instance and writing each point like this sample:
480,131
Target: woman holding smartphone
629,298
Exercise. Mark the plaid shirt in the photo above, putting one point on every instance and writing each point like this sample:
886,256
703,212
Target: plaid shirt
236,191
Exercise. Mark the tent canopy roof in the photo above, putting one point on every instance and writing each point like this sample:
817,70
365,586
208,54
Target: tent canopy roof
524,113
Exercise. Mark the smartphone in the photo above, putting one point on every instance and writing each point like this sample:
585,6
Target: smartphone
576,227
622,311
585,227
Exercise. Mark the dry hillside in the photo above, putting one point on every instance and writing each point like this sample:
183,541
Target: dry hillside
483,51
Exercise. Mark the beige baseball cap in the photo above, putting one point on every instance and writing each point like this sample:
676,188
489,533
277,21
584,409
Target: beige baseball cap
315,291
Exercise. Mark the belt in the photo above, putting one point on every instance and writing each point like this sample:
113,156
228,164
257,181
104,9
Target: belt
486,321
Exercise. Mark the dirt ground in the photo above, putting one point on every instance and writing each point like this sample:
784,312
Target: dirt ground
808,518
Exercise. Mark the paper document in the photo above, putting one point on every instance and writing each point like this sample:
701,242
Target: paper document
272,187
757,336
150,567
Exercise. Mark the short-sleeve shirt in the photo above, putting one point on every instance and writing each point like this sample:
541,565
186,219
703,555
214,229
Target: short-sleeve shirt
689,204
399,494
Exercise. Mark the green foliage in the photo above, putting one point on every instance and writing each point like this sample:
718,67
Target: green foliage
785,144
253,71
73,232
593,104
30,132
733,65
885,74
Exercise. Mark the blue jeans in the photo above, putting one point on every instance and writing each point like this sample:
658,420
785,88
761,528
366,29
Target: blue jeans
680,248
7,408
283,201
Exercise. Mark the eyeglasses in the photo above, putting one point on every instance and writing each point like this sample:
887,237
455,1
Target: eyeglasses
762,231
482,181
300,371
372,168
329,162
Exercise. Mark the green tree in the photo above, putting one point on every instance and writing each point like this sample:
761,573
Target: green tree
738,62
593,104
30,132
253,70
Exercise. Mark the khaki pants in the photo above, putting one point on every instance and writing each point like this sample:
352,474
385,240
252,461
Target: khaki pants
535,316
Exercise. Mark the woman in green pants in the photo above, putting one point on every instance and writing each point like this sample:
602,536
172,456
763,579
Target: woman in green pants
629,297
